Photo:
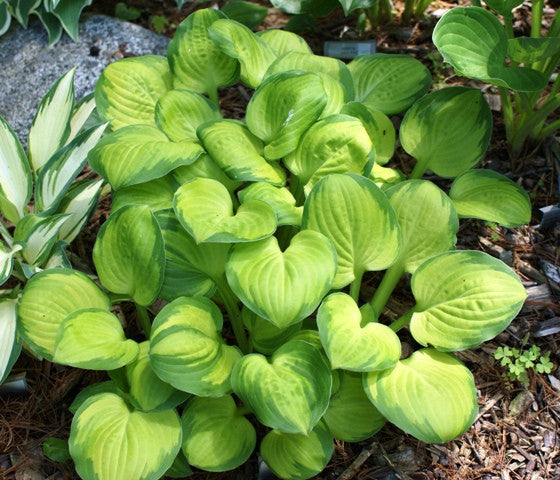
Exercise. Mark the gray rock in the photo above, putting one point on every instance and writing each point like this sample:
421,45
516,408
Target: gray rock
29,67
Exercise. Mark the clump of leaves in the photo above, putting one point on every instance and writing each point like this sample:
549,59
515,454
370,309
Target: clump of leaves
522,362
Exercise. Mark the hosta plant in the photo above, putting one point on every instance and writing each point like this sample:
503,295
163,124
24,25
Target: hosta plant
256,235
35,234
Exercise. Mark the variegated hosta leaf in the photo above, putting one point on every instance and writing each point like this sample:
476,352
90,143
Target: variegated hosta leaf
335,95
283,108
296,456
21,9
187,351
50,22
427,219
282,41
47,299
7,260
448,130
290,392
15,175
129,254
204,167
351,417
283,287
463,298
93,338
62,168
180,112
5,18
103,387
138,154
80,116
430,395
205,209
389,83
128,90
238,152
348,344
68,13
280,199
51,125
352,212
110,440
336,144
147,392
58,257
238,41
385,177
157,194
263,335
10,345
216,437
196,62
490,196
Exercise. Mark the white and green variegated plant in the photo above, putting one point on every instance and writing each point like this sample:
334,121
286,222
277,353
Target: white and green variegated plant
257,234
35,234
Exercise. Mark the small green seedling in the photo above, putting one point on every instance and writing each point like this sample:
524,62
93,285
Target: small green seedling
521,363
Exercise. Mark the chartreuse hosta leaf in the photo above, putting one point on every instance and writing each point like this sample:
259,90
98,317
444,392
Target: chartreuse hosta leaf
91,390
238,41
180,112
51,125
93,338
290,392
157,194
283,287
216,436
463,298
263,335
109,440
127,91
447,131
47,299
352,212
475,43
348,344
282,41
7,260
10,345
129,254
296,456
385,177
238,152
490,196
351,417
138,154
336,144
204,167
195,60
427,218
205,209
431,395
15,175
389,83
283,108
187,351
280,199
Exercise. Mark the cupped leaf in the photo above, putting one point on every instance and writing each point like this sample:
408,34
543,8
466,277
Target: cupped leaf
187,351
138,154
216,436
447,131
238,152
463,298
475,43
296,456
282,41
129,254
280,199
157,194
351,346
283,287
128,90
10,345
109,439
290,392
248,13
47,299
93,338
283,108
389,83
263,335
196,62
352,212
205,209
490,196
431,395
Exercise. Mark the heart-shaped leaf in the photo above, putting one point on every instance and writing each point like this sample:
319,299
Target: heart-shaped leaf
290,392
216,437
280,199
109,439
490,196
283,287
463,298
10,345
351,346
205,209
430,395
282,41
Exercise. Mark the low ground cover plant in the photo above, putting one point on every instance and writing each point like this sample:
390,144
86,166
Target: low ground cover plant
260,232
